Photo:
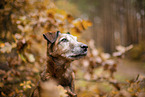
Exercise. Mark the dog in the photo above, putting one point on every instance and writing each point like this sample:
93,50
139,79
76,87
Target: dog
62,49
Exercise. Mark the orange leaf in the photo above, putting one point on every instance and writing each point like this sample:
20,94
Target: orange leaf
3,94
2,44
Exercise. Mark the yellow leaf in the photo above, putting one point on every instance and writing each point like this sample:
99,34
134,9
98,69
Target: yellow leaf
2,44
75,31
17,91
28,86
78,24
114,92
62,12
1,84
86,24
28,82
69,18
35,69
128,81
21,84
82,24
51,12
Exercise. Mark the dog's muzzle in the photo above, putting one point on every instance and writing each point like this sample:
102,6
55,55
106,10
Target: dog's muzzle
84,47
82,52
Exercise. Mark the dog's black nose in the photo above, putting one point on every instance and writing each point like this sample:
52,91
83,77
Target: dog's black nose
84,47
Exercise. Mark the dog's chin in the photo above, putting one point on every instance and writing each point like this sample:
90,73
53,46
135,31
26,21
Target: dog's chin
77,56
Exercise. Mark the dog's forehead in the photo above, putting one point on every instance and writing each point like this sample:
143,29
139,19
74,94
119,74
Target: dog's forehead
68,36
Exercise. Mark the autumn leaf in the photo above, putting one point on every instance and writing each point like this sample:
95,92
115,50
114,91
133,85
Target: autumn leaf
1,84
51,13
30,57
26,85
3,94
86,24
121,50
2,45
7,47
75,31
69,18
105,56
79,25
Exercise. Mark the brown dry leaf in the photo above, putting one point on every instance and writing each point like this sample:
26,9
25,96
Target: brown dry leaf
3,94
121,50
1,84
2,72
17,91
36,70
11,94
105,56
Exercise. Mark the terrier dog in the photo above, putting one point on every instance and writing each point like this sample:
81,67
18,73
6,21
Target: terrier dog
62,49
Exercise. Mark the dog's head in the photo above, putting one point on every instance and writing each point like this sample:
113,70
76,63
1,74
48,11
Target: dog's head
65,45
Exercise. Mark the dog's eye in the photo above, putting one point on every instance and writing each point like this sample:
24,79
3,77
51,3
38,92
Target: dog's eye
64,40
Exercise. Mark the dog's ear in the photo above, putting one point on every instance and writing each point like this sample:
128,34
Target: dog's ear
51,36
67,33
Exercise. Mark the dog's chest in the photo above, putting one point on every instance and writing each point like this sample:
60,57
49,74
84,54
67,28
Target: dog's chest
64,78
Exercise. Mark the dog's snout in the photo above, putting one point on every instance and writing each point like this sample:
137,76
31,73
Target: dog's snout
84,46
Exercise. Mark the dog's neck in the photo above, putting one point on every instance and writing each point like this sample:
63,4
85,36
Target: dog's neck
58,60
57,65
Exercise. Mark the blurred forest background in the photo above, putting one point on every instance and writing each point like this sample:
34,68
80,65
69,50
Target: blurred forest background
113,29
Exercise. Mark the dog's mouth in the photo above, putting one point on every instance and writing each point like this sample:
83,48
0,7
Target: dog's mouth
78,55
